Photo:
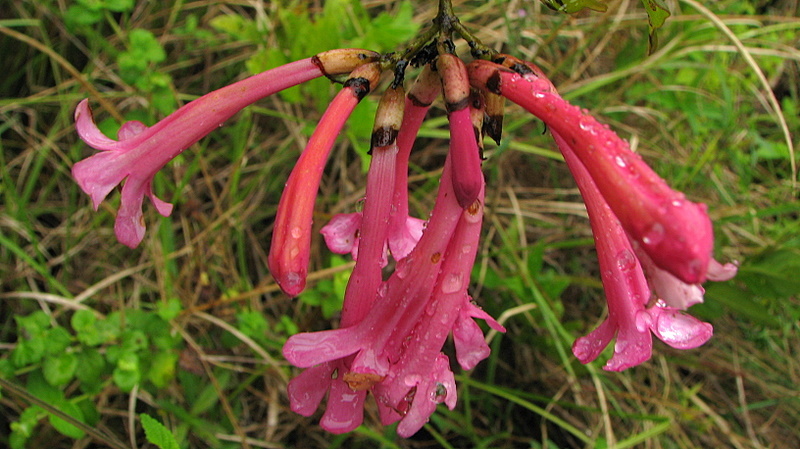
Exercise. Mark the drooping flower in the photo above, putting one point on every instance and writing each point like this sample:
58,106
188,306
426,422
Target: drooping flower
393,347
654,246
633,309
674,232
142,151
291,237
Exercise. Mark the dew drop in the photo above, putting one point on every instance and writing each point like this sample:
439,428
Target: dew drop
654,235
620,161
620,346
540,84
440,393
451,283
643,321
297,232
539,95
294,252
626,260
677,203
411,381
403,267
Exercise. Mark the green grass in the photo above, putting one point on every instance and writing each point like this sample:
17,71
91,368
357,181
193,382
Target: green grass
187,329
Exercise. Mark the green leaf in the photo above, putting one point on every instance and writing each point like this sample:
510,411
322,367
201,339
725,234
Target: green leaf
63,426
169,309
58,339
118,5
657,13
128,372
144,45
60,368
157,434
162,368
90,370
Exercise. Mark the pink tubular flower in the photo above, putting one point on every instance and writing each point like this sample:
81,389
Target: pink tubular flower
654,247
633,313
393,347
142,151
673,231
291,237
467,179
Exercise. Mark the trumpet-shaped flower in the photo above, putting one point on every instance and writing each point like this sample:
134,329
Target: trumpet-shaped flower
641,297
674,232
142,151
291,238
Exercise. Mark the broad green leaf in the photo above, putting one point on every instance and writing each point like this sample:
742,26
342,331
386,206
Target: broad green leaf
157,434
59,369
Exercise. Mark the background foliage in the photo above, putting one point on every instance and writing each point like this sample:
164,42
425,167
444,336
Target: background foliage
177,343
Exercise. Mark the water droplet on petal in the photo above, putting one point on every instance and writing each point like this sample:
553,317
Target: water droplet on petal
620,346
297,232
620,161
654,235
626,260
540,84
403,267
451,283
643,321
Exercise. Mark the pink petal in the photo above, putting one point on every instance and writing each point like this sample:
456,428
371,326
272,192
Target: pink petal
471,348
673,291
633,347
311,348
341,232
308,388
99,174
476,312
404,239
87,129
129,226
164,208
345,409
130,129
589,347
719,272
680,330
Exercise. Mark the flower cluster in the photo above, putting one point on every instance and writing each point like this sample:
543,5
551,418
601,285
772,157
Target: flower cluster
654,246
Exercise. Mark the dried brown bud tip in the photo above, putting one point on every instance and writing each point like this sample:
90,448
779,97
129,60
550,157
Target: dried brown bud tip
493,122
343,60
426,88
455,82
363,79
